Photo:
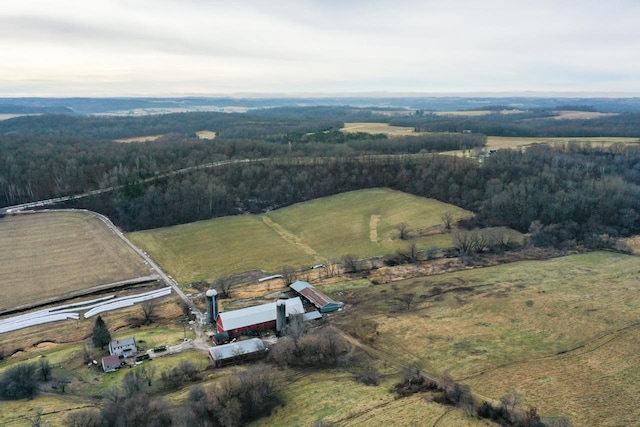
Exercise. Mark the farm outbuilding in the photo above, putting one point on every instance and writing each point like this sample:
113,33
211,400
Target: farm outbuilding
110,363
125,347
236,352
315,297
255,318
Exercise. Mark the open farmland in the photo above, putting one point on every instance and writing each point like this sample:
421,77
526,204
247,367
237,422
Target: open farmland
498,142
562,332
147,138
358,222
49,254
374,128
206,134
521,143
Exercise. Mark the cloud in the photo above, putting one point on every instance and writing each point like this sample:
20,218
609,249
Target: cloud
171,46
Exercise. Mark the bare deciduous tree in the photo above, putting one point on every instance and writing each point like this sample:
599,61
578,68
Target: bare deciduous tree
148,372
403,230
407,299
447,220
62,383
149,308
350,263
44,369
463,241
223,287
289,275
331,268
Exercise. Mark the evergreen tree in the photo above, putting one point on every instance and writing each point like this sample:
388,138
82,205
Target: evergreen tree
101,335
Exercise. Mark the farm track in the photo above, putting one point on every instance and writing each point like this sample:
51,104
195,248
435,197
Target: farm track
289,237
373,228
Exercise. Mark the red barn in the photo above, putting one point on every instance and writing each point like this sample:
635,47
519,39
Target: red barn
255,318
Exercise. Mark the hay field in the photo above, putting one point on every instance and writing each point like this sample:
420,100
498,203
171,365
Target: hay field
146,138
563,332
582,115
206,134
49,254
475,113
498,142
359,222
375,128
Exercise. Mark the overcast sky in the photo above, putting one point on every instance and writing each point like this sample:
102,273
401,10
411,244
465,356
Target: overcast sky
208,47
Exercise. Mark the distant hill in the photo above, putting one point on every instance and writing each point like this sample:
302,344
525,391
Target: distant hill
142,106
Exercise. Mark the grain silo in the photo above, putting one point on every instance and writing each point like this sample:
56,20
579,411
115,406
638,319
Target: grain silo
281,316
212,305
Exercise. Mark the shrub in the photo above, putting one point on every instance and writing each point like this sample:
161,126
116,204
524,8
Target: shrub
19,382
368,377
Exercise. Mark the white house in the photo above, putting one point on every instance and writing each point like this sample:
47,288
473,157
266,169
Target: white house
125,347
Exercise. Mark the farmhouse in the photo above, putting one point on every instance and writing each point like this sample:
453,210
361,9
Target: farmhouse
110,363
315,297
255,318
125,347
235,352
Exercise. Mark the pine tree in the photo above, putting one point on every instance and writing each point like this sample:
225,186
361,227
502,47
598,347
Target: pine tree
101,335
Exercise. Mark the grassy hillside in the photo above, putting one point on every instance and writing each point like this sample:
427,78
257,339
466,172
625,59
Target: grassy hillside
560,332
358,222
48,254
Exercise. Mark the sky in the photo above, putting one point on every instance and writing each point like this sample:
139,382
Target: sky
292,47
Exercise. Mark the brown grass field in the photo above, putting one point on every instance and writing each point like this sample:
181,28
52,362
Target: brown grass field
562,333
206,134
582,115
374,128
147,138
48,254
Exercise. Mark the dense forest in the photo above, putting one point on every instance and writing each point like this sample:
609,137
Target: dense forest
567,193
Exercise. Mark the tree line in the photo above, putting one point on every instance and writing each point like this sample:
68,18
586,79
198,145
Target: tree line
571,193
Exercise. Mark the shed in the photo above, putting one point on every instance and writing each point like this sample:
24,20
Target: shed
312,315
315,297
237,351
125,347
254,318
110,363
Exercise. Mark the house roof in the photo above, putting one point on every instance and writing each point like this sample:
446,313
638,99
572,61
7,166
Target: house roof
257,314
123,342
110,361
229,351
315,297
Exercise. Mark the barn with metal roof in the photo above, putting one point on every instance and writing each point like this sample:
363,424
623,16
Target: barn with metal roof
237,351
255,318
315,297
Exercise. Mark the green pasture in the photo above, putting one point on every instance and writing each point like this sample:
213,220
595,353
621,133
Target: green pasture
359,222
206,250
